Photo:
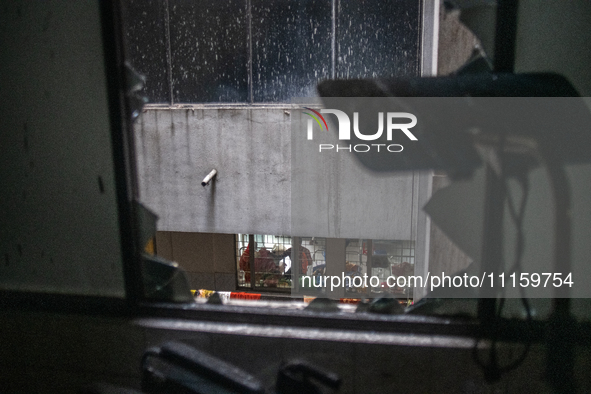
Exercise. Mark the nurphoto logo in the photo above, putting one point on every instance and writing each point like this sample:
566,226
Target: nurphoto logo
344,130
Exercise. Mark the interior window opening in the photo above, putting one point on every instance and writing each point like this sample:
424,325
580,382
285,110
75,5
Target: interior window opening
221,87
238,67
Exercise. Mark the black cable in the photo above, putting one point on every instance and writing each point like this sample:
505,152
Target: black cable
517,218
492,370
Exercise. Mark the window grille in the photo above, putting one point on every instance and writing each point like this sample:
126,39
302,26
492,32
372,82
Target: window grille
278,268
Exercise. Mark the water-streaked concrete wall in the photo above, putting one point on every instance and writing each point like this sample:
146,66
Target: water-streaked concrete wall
250,149
252,193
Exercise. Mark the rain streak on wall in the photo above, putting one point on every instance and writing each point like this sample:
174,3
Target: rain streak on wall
241,51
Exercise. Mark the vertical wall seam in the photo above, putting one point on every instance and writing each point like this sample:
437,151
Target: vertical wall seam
333,43
421,38
250,60
169,53
429,37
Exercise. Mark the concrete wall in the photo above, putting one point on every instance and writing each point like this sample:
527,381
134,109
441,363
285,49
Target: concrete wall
254,191
250,149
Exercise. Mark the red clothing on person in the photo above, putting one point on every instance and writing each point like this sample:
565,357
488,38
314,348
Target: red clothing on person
264,263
